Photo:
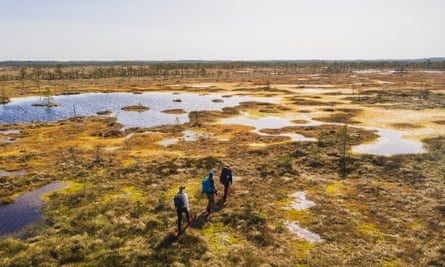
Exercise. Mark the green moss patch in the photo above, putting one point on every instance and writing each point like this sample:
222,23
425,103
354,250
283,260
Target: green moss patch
219,237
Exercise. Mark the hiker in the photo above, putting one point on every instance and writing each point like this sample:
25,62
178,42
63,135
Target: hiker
226,179
182,205
208,187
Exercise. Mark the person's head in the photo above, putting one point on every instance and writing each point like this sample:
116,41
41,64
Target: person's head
211,174
181,188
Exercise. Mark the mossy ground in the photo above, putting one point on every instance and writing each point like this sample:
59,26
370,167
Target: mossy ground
380,211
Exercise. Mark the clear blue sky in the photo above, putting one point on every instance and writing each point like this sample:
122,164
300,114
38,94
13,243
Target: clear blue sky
223,29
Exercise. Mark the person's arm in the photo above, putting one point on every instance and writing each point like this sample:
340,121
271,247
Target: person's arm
230,176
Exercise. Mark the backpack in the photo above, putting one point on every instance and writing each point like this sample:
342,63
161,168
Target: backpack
223,178
206,188
178,200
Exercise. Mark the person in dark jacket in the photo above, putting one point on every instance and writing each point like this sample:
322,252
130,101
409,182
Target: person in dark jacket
226,179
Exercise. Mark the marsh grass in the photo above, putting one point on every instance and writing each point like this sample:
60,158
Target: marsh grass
387,211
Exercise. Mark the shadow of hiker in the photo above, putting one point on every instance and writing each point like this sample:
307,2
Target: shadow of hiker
166,242
200,220
219,205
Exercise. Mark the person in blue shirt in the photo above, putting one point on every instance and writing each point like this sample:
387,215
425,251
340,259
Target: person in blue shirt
210,192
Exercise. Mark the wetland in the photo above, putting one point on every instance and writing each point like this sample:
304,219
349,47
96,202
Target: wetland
330,169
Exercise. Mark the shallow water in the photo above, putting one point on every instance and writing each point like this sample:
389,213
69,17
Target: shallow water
258,145
200,85
21,109
13,173
390,143
6,132
271,123
303,233
376,71
311,91
302,86
9,140
187,135
25,210
113,148
301,203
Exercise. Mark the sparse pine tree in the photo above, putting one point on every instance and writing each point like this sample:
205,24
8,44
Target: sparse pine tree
321,138
37,74
22,76
4,97
97,154
48,96
344,138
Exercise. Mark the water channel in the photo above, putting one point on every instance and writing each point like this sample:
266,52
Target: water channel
25,210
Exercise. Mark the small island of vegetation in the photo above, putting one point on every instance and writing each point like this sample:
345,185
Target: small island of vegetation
174,111
139,108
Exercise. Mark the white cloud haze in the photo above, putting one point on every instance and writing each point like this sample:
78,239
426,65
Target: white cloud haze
221,30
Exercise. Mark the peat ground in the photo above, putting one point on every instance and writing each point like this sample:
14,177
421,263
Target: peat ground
369,210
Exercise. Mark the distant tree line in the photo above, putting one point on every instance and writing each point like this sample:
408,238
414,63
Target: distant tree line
95,70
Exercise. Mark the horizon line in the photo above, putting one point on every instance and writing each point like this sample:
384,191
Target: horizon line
214,60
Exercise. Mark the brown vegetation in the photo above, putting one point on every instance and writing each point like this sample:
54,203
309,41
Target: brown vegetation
377,211
138,108
174,111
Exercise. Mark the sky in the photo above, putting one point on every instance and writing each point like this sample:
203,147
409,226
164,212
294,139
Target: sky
221,30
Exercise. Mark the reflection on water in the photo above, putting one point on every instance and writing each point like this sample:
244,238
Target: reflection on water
390,143
21,109
25,210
